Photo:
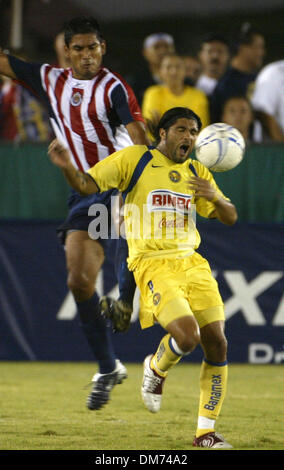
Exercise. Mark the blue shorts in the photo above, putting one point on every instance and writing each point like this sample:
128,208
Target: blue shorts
78,218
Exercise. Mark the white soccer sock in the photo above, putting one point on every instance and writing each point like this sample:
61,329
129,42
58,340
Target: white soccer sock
205,423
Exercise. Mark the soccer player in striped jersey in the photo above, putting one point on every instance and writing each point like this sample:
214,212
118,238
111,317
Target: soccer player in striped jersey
160,185
94,113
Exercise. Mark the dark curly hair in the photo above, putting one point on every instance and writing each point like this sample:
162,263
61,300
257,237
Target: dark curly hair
170,117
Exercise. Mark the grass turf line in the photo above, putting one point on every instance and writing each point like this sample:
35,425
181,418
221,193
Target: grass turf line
43,408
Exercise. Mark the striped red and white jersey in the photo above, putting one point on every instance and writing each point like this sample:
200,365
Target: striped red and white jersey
88,116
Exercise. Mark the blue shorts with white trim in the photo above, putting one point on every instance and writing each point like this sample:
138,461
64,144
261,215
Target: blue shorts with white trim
78,218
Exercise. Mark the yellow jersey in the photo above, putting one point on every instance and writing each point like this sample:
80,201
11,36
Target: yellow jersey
158,99
159,207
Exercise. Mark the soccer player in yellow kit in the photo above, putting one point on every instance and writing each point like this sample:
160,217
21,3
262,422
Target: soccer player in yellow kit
160,187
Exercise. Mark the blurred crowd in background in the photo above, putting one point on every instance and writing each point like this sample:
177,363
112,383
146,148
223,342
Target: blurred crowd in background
224,81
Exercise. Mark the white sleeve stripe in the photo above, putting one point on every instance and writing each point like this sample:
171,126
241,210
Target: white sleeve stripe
42,75
52,80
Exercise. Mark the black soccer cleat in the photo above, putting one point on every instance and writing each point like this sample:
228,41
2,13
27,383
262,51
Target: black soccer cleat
118,312
103,384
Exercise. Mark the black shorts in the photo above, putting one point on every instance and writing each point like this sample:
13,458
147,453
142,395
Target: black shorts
78,218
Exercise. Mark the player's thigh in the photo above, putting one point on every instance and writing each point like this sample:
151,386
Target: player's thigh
163,288
203,294
83,255
209,315
177,318
173,310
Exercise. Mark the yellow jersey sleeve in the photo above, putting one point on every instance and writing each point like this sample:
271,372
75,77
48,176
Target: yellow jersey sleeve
203,207
116,170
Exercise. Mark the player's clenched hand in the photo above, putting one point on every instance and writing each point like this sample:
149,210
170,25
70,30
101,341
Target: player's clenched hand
59,155
202,188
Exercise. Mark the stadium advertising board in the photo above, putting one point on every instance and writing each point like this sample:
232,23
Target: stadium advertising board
38,315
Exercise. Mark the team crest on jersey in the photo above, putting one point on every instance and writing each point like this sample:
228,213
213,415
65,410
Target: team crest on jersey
156,298
174,176
170,201
76,99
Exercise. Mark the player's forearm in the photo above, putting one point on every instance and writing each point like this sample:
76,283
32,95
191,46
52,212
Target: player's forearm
137,133
5,68
225,211
81,182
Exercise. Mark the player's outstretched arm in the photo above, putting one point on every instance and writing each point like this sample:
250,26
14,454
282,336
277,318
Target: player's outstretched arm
5,68
224,211
81,182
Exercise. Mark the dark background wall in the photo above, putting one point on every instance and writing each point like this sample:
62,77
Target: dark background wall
126,23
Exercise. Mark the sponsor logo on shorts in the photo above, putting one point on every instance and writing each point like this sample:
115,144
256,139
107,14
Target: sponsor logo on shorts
156,298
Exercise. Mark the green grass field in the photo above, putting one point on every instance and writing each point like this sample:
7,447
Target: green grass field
43,408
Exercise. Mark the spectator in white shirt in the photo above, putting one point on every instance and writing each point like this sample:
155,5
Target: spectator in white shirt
268,99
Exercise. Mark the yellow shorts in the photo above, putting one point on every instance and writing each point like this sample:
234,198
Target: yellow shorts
175,288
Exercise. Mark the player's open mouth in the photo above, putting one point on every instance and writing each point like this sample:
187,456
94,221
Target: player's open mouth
184,149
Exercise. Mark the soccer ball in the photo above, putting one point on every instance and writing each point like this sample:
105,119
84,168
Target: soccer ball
220,147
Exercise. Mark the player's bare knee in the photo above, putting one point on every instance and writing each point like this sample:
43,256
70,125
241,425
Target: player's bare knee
216,349
80,285
188,340
220,345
